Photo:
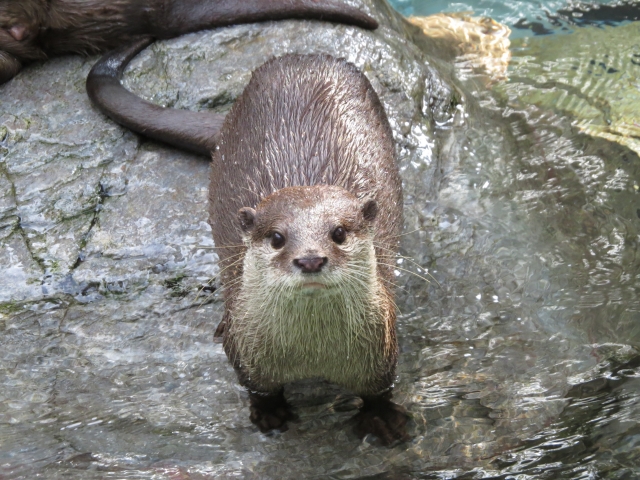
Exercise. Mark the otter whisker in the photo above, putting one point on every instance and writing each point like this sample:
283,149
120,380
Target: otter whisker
395,285
210,295
215,247
394,254
404,234
396,267
218,276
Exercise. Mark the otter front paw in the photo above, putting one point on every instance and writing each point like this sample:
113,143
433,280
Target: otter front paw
270,411
382,418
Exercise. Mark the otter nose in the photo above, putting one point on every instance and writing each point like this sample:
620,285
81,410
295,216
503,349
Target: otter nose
310,264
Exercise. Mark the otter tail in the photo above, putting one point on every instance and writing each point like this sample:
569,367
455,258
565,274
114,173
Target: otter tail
196,131
193,131
182,16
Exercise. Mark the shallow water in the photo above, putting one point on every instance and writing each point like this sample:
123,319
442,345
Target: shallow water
519,335
525,347
548,220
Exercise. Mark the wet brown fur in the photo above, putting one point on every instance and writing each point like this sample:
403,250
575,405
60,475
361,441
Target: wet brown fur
54,27
307,121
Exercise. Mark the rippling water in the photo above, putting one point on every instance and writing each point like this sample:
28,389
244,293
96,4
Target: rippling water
532,358
519,333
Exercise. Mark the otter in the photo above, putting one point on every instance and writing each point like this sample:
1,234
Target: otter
306,210
37,29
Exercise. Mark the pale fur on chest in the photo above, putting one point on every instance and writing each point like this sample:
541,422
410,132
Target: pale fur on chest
340,333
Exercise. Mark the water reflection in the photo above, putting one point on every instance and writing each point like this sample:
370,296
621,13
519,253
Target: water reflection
596,436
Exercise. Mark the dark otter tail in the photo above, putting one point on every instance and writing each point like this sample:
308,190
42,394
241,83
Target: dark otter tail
193,131
196,131
181,16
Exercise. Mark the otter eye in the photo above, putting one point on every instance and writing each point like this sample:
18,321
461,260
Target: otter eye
339,235
277,240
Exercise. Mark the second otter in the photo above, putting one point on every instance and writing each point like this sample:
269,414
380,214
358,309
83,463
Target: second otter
306,209
37,29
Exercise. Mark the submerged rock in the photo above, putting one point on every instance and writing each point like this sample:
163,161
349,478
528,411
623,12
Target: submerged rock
591,75
477,45
107,266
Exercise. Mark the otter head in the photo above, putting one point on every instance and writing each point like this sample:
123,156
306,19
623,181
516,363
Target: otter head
310,239
310,300
20,24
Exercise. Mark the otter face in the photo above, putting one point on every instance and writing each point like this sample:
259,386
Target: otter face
308,237
20,22
310,302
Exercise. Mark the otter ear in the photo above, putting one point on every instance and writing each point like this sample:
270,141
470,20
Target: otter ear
370,210
247,217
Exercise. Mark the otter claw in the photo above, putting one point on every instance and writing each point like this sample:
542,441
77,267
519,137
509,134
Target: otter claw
270,412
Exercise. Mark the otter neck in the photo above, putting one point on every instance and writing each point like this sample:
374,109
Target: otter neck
285,333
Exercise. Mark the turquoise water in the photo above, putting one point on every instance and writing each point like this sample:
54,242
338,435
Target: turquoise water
523,16
504,12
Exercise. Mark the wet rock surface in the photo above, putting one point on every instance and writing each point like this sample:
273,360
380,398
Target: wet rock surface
107,279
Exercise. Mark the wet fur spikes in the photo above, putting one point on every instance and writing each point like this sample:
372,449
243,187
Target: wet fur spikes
329,163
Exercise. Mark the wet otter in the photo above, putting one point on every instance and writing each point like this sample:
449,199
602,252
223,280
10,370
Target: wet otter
36,29
306,208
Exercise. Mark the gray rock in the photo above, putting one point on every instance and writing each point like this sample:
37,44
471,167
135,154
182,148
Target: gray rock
86,206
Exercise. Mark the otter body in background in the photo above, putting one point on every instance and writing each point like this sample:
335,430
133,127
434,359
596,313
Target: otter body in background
306,210
36,29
